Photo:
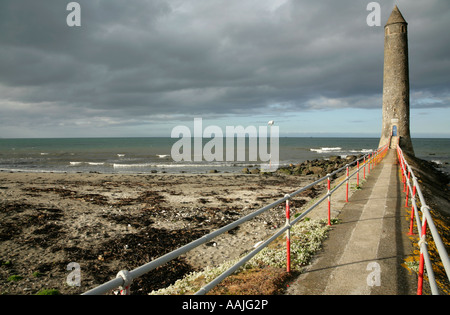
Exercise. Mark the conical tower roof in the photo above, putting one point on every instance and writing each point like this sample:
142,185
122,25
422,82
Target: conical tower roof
396,17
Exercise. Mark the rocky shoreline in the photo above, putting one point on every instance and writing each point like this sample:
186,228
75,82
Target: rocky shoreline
435,188
318,167
107,223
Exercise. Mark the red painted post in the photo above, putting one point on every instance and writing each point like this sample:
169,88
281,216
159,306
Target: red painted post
288,237
346,192
407,190
125,288
357,176
364,172
403,174
411,223
329,200
404,170
401,165
125,291
405,186
421,262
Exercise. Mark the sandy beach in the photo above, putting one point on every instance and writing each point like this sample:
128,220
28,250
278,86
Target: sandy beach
111,222
107,223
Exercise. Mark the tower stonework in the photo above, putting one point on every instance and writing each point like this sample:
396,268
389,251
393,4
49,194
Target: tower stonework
396,84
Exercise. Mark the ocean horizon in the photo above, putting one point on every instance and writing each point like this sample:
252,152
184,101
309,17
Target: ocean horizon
129,155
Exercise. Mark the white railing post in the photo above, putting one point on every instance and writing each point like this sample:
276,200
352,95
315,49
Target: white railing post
347,180
127,280
288,235
427,223
329,198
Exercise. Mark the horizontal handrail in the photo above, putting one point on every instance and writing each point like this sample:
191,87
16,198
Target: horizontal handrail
427,221
288,225
124,278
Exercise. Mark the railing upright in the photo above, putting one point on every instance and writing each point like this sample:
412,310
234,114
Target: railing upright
329,198
347,179
288,235
413,201
426,222
357,176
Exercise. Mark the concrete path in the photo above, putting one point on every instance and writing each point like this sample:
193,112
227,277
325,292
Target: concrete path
364,252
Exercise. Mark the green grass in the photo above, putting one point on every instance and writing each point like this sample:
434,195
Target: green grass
14,278
48,292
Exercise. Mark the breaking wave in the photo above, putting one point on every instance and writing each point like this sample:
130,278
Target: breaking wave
323,150
340,150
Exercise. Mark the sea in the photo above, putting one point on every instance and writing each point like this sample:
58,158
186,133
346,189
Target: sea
153,155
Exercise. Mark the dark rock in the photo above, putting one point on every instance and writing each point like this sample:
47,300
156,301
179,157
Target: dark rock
316,169
334,158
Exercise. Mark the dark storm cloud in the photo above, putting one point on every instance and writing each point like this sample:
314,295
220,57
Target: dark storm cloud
167,59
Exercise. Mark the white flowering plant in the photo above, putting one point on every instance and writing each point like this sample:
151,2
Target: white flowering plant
306,239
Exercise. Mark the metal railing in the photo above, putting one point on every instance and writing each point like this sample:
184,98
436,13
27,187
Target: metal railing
124,278
411,188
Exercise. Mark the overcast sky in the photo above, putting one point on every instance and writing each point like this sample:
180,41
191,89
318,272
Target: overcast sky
142,67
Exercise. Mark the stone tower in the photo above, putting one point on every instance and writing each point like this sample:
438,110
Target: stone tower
396,84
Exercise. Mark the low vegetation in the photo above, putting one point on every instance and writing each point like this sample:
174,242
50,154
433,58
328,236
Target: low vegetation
266,272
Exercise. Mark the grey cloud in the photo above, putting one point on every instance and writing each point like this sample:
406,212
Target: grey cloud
135,59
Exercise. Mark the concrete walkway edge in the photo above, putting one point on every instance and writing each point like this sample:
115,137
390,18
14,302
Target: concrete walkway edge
364,253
